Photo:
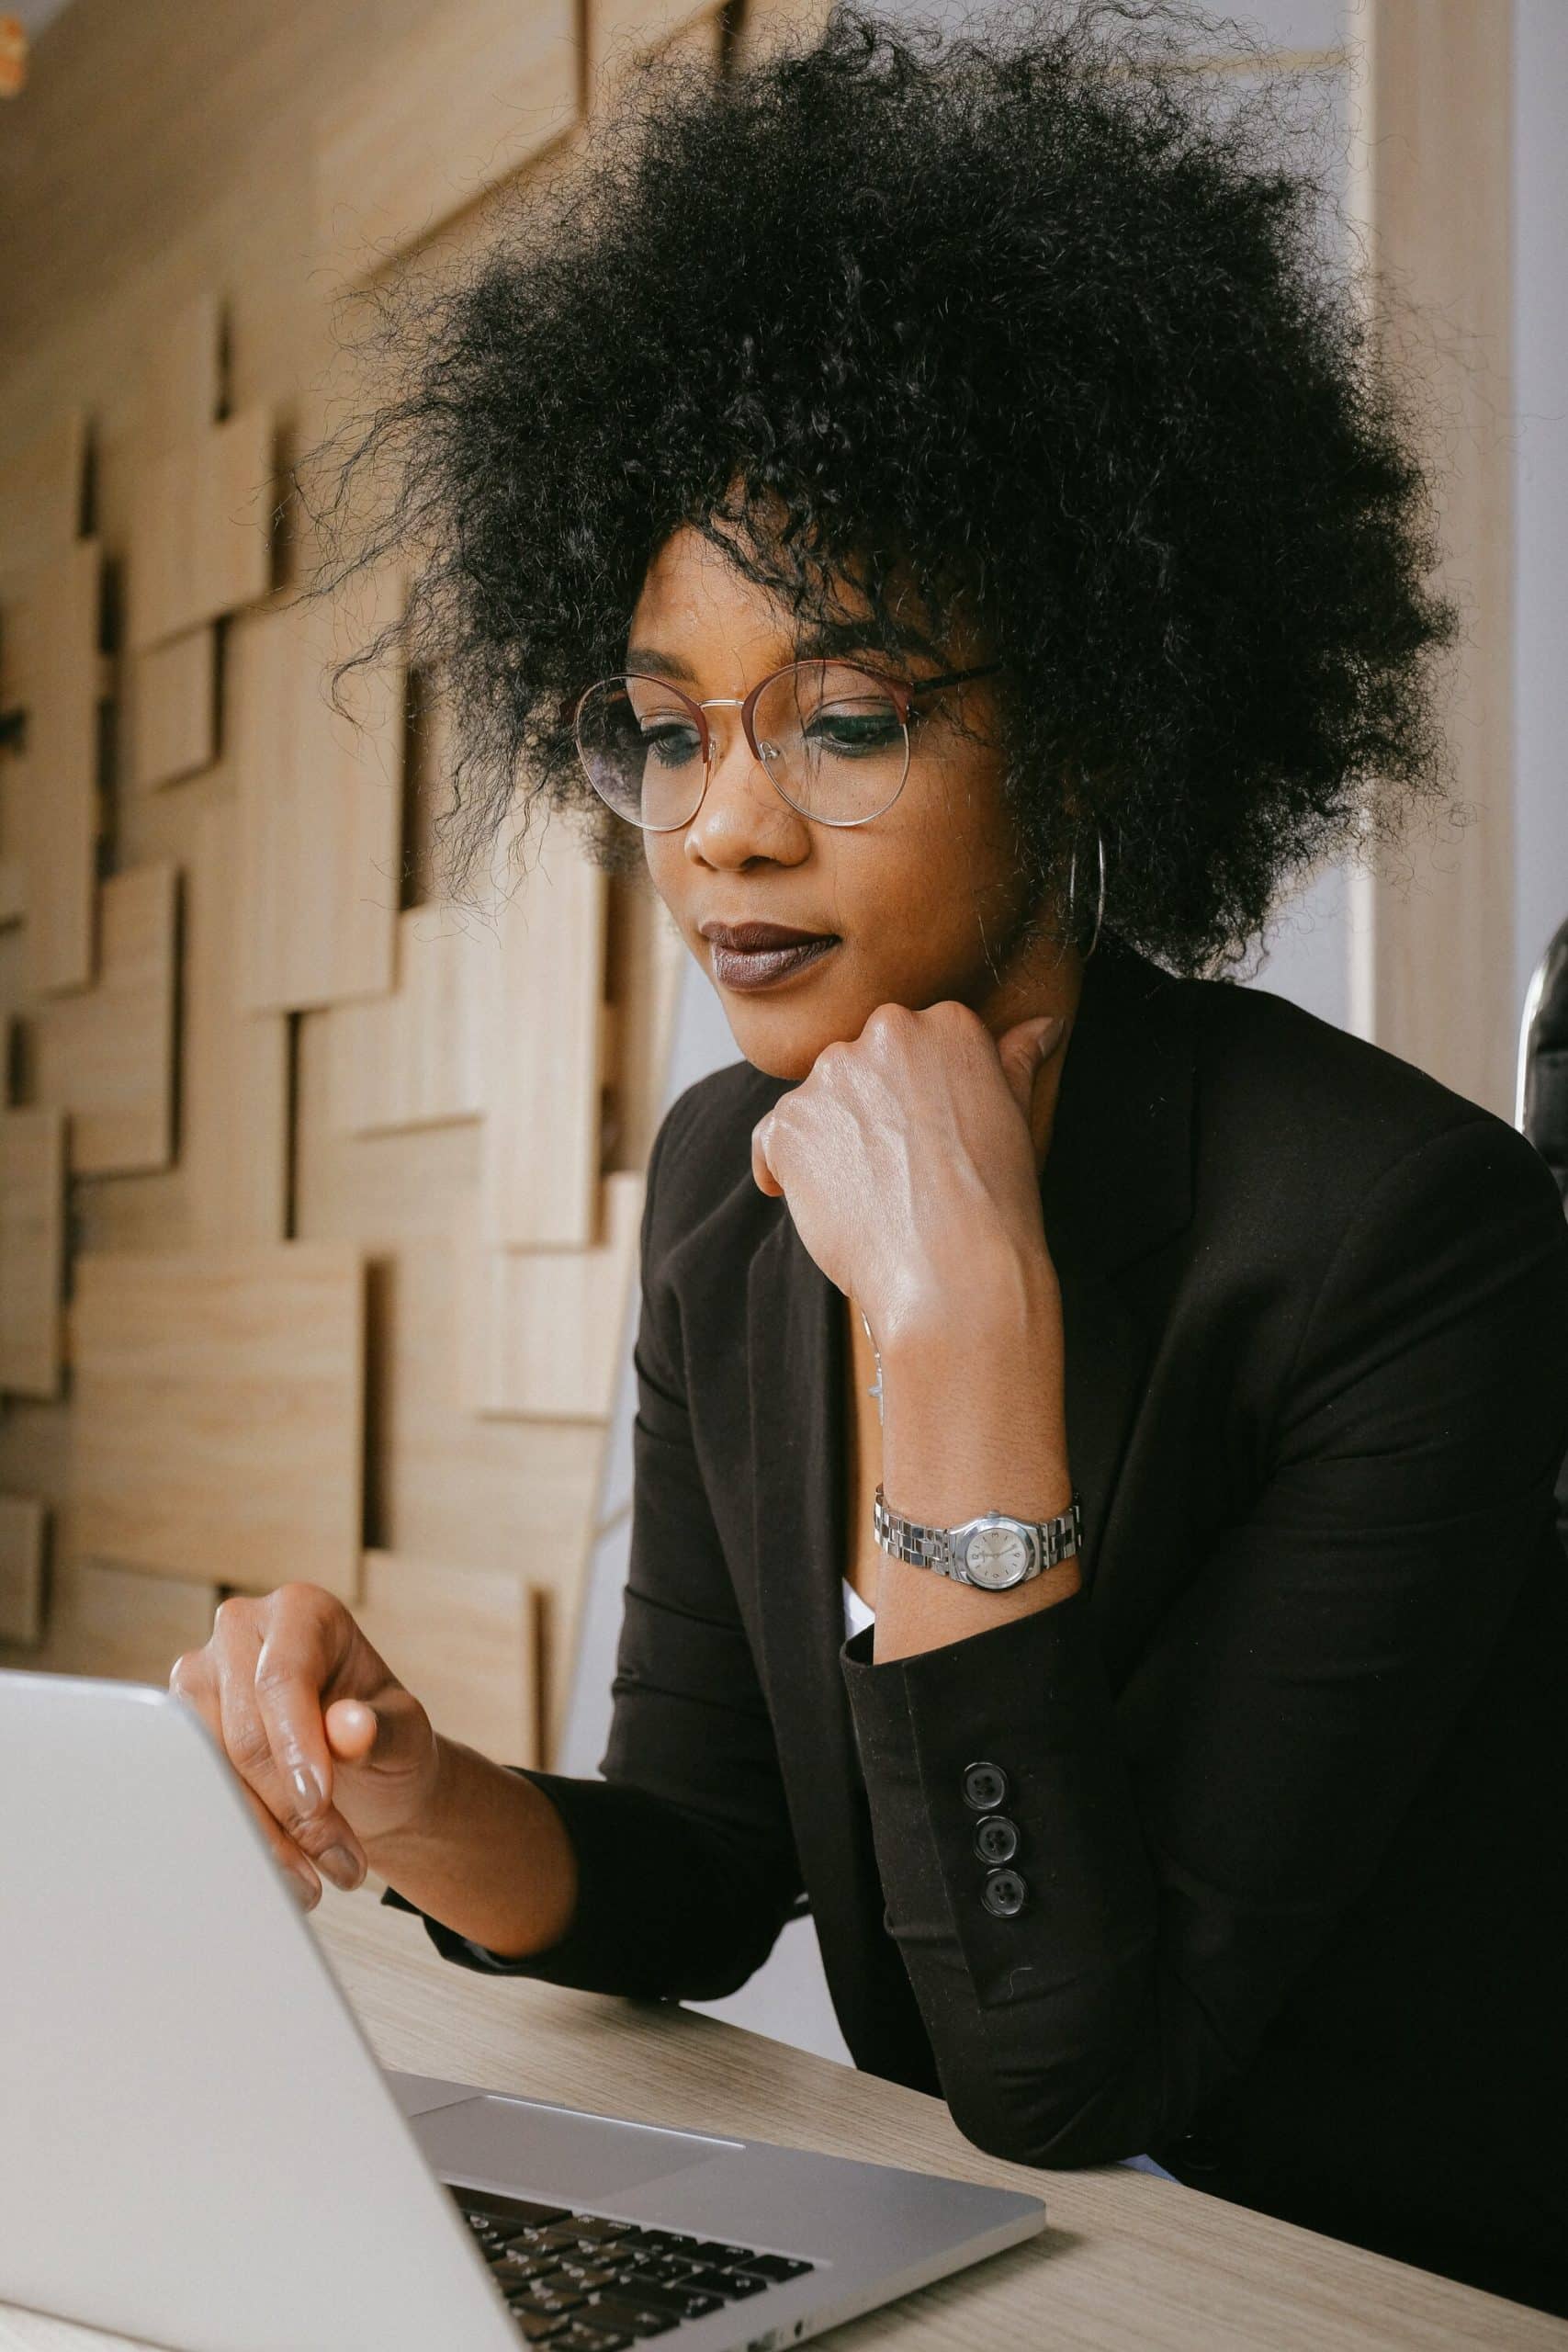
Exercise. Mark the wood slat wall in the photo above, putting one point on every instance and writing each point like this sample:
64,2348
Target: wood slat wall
286,1288
243,1043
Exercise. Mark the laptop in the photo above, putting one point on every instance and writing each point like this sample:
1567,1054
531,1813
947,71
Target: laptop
200,2147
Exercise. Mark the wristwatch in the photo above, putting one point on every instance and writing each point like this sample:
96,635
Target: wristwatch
993,1551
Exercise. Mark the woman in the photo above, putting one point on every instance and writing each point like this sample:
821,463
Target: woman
941,506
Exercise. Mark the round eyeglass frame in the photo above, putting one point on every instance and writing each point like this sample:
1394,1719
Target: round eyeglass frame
903,691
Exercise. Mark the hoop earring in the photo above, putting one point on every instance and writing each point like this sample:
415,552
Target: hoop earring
1072,891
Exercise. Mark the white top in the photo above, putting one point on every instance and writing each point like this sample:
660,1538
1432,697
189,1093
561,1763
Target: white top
857,1613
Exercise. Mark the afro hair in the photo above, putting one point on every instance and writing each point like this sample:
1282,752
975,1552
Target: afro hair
1041,316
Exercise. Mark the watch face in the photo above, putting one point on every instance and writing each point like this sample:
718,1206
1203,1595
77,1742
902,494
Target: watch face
995,1557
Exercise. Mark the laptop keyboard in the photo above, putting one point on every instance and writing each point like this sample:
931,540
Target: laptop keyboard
584,2282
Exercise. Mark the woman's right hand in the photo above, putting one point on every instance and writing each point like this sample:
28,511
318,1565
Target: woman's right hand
329,1748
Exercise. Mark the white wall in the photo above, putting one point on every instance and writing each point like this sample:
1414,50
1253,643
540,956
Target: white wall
1541,481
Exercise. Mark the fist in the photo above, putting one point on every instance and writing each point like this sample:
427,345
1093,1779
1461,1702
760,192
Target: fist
910,1157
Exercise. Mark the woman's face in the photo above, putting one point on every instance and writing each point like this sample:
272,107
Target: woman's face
923,902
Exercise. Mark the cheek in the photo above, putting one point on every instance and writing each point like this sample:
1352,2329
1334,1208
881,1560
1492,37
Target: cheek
668,871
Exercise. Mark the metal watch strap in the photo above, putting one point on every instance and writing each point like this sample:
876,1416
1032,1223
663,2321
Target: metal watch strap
931,1547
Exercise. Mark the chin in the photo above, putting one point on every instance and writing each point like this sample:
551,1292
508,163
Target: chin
785,1046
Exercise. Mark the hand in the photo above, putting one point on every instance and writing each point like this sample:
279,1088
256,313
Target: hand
329,1747
911,1157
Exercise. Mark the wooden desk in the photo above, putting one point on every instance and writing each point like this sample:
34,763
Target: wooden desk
1127,2262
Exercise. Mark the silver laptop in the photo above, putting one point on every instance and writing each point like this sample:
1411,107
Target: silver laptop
198,2146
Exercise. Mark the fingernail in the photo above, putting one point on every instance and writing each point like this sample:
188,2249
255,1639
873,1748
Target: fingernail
311,1792
305,1888
340,1866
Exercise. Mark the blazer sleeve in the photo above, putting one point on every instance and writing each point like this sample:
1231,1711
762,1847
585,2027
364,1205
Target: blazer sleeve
1298,1696
686,1861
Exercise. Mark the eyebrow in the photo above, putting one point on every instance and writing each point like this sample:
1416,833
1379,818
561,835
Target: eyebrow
832,639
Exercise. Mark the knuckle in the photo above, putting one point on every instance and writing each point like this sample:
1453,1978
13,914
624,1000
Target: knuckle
311,1599
275,1670
249,1747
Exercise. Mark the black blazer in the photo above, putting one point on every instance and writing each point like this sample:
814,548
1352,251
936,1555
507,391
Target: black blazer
1288,1773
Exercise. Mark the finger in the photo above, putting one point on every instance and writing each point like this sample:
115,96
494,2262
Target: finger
353,1728
294,1805
1024,1049
200,1697
761,1166
294,1665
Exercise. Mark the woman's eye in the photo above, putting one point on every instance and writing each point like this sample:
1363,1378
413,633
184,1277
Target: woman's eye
851,731
671,745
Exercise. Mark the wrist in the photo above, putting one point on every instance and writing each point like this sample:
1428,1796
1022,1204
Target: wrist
974,1412
998,1298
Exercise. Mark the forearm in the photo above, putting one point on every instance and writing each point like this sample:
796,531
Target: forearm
490,1856
974,1421
666,1903
1040,2018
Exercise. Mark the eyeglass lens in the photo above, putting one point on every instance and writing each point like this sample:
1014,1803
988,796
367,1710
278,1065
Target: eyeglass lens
829,733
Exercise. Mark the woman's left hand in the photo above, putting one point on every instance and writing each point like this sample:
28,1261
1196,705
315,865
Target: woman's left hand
911,1157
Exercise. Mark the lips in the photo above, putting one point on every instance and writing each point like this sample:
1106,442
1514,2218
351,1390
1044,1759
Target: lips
746,936
757,968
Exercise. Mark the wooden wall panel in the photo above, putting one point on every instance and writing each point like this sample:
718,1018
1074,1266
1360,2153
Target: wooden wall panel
41,489
475,92
106,1055
235,1140
171,721
220,1413
420,1057
164,282
32,1249
542,1328
444,1483
50,664
620,30
229,1180
542,1133
172,709
180,384
105,1620
463,1640
320,801
15,792
1433,980
645,964
24,1524
201,534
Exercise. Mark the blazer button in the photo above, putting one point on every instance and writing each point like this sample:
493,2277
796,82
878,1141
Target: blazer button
985,1787
996,1838
1004,1893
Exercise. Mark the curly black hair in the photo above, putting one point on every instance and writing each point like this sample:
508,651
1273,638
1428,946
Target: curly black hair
1038,317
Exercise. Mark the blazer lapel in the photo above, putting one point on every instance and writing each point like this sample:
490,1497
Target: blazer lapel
1117,1184
794,1351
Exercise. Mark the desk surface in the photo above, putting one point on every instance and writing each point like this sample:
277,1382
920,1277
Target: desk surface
1127,2262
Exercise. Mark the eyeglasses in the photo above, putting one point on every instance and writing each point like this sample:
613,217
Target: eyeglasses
832,737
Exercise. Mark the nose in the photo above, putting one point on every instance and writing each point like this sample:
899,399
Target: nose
741,816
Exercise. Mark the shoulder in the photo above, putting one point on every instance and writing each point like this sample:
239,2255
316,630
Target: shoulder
1292,1108
1282,1090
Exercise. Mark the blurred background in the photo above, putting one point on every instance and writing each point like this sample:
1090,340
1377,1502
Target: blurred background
319,1200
